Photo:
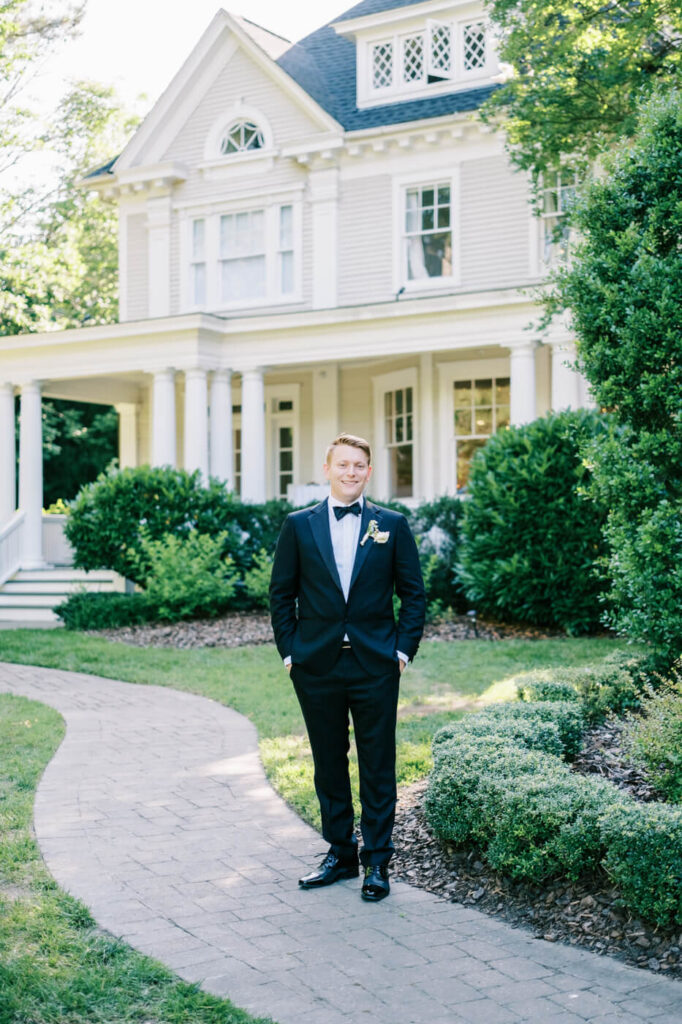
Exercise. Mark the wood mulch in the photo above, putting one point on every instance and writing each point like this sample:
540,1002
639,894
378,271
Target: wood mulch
587,914
238,629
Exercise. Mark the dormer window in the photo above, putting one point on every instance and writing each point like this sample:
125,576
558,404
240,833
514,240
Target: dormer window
241,137
438,55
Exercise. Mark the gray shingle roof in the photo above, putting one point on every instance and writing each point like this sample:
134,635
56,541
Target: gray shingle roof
323,64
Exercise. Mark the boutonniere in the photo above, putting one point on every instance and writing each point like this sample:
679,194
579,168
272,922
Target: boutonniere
374,533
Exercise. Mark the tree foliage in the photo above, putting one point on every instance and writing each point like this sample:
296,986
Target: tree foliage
624,292
580,69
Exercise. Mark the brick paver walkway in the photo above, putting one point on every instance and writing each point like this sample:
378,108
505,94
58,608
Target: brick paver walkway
156,813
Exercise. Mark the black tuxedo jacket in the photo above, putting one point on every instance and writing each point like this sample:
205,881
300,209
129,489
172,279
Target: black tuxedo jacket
309,613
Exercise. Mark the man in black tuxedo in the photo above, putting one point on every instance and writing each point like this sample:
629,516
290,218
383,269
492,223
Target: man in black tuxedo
331,598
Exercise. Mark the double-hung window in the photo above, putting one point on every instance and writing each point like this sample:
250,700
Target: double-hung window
399,439
481,407
244,257
557,195
427,242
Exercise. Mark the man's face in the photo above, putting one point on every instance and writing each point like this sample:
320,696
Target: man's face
348,472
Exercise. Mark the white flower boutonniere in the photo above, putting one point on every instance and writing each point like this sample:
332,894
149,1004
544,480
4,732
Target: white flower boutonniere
374,533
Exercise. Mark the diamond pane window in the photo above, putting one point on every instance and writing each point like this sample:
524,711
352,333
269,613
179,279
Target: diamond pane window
241,137
382,65
474,44
413,59
440,40
428,232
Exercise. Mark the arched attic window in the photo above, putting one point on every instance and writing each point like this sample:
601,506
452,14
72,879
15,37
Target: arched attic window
241,137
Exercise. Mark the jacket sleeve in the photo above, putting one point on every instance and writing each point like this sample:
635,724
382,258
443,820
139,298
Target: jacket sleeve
284,588
409,586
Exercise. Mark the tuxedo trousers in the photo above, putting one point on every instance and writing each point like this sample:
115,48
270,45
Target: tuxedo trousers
371,701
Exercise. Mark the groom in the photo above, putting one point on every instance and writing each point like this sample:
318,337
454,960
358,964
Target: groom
331,598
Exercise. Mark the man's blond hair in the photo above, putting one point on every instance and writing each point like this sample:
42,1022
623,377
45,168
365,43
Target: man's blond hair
354,442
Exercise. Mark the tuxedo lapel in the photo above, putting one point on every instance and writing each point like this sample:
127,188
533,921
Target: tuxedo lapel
369,511
319,525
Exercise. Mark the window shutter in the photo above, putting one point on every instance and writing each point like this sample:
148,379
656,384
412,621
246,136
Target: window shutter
440,50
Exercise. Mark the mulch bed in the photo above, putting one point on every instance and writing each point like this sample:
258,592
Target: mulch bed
240,628
584,914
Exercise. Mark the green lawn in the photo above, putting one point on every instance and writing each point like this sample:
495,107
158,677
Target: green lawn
55,966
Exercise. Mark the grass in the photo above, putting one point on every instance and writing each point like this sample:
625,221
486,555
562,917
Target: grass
56,967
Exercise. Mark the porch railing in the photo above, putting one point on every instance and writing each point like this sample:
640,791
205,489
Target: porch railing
11,546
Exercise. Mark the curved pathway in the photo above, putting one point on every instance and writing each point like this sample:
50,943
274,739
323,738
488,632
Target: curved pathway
156,813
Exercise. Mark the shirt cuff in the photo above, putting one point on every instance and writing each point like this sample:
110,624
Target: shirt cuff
403,657
287,661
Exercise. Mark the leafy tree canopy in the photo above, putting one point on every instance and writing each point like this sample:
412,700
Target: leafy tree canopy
580,69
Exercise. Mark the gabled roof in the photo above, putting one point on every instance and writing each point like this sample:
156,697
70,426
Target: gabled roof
324,64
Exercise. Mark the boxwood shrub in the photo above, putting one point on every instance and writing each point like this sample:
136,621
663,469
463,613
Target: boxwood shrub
106,610
548,825
614,686
535,735
644,859
566,715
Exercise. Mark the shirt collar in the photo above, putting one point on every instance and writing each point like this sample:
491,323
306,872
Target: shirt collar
335,503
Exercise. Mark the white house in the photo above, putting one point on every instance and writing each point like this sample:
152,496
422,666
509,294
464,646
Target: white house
313,237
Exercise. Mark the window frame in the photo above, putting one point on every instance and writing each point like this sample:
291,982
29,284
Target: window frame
450,373
458,77
211,215
401,185
381,385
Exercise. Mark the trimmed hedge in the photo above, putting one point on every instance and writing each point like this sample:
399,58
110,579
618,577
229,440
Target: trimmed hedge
106,610
644,859
613,687
497,784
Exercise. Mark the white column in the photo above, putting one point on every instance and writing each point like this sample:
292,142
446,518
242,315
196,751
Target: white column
127,434
253,435
196,422
221,448
8,490
31,474
425,435
565,380
324,202
325,415
163,419
522,373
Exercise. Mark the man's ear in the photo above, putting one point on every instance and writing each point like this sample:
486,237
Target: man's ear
325,470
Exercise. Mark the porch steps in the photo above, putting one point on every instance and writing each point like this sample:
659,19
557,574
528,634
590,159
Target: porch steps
31,595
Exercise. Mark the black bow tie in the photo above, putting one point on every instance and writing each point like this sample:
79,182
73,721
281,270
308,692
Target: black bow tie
342,510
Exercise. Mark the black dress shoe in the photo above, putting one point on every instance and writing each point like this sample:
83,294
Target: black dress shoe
330,870
375,886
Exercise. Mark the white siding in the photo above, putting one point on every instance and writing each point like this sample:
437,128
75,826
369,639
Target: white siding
494,219
137,267
365,241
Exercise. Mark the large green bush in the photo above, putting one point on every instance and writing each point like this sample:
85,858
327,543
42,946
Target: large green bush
109,518
623,291
530,539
